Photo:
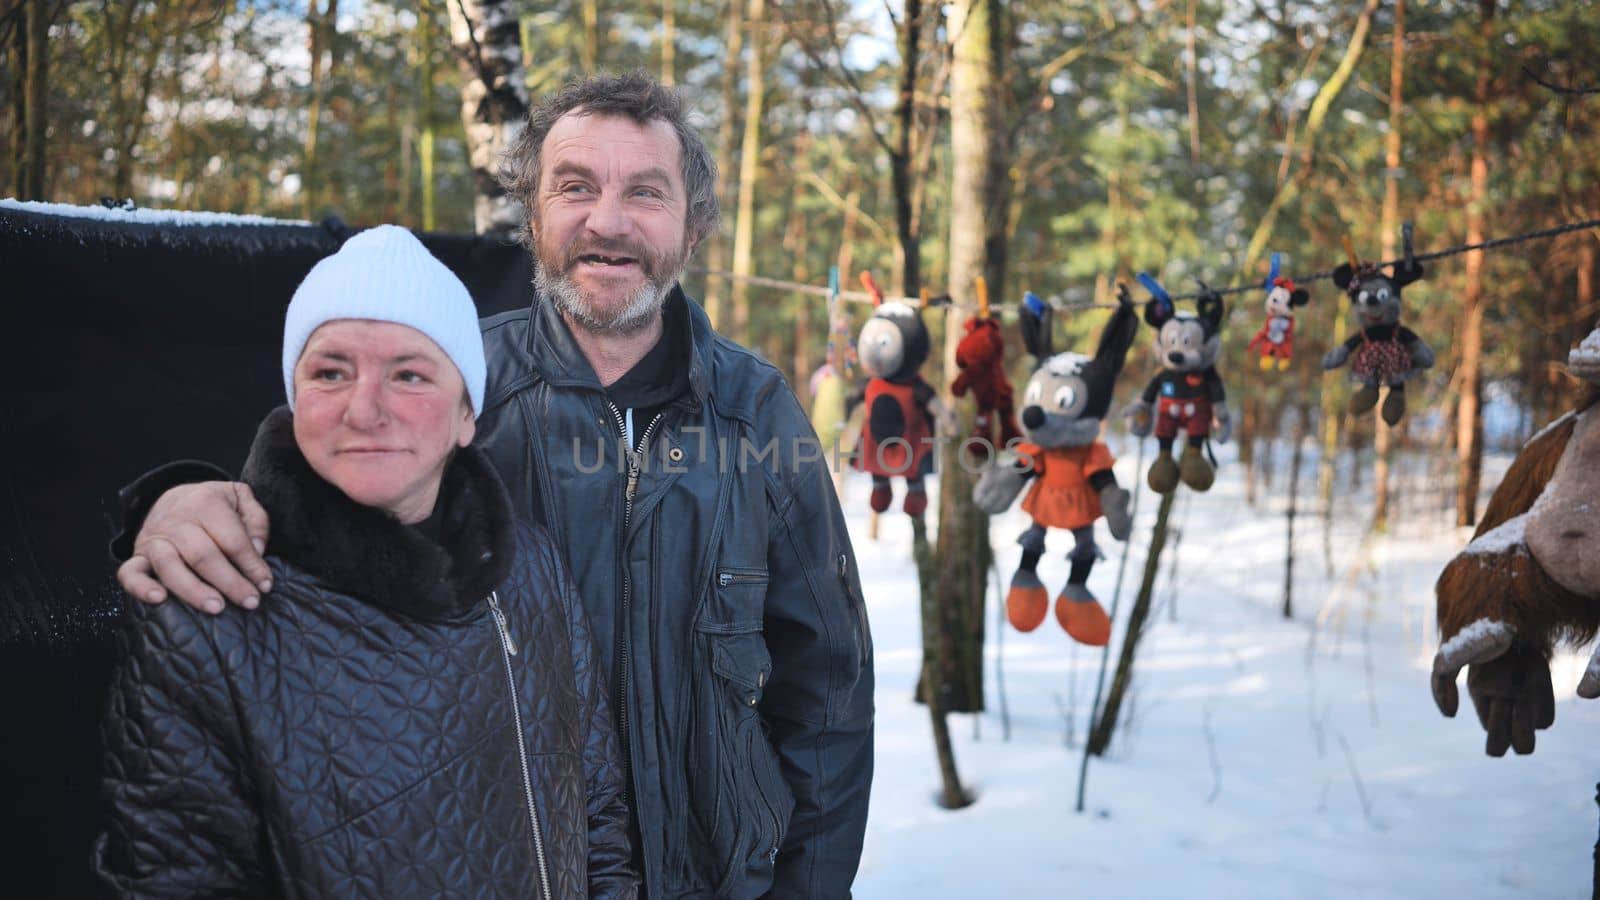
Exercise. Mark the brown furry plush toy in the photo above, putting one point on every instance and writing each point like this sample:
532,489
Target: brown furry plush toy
1529,579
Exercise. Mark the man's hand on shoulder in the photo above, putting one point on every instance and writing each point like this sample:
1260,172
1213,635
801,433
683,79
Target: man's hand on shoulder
203,542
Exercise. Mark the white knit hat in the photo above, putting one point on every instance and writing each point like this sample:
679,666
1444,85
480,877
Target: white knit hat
385,274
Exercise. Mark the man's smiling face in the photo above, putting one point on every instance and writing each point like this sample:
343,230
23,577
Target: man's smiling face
609,226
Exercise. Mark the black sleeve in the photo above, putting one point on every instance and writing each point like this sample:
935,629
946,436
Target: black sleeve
1102,479
1352,342
1214,386
819,702
136,499
923,395
1149,395
611,874
181,811
1407,336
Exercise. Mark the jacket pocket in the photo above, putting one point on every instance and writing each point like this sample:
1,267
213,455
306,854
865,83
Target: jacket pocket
737,793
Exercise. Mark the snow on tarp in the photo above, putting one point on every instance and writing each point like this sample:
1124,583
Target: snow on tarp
142,216
237,236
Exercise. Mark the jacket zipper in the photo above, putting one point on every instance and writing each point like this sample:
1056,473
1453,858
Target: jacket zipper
508,649
635,466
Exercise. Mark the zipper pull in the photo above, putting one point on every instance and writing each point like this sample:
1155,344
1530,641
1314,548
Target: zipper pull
724,579
500,623
633,473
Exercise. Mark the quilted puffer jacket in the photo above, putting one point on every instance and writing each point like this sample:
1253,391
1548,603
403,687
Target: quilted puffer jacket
400,718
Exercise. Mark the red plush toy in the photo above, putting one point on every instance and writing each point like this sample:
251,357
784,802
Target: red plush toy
981,357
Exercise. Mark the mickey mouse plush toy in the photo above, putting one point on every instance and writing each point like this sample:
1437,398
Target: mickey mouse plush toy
1186,394
1382,353
897,438
1063,404
1275,340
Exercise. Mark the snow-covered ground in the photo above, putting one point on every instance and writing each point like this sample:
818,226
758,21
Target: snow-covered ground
1260,757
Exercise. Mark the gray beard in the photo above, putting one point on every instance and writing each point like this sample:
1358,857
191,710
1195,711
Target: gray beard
640,310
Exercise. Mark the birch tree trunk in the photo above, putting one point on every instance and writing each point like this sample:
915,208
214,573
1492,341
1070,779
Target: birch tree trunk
494,102
1469,419
426,22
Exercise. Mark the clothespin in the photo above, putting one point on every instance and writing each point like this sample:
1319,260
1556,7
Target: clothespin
872,288
1350,252
1034,304
1272,275
1157,291
1406,234
982,287
834,361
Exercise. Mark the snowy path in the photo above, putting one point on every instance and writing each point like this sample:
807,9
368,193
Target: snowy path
1325,773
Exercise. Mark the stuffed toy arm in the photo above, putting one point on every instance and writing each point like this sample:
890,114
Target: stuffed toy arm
1113,503
1002,480
856,397
1336,357
1224,423
1140,415
963,380
1421,353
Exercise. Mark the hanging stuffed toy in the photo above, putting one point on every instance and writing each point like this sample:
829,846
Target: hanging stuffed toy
1063,405
1530,579
1275,340
1382,353
898,436
830,383
981,357
1186,394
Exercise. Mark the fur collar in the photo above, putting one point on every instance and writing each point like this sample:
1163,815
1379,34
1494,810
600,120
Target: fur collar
364,552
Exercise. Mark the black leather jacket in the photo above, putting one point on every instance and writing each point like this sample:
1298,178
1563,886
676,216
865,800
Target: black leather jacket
715,564
399,718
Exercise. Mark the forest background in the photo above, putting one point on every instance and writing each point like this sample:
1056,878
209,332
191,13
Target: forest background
1054,147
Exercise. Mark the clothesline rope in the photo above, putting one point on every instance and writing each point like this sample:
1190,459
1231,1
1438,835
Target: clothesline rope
1073,306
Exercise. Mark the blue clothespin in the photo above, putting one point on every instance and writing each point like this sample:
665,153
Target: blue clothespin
1034,305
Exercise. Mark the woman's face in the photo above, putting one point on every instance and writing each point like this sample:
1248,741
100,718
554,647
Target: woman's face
378,410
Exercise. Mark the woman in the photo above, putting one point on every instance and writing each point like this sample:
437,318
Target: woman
415,709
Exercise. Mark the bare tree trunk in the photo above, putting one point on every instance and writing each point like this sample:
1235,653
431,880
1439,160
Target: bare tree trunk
1249,432
1302,415
1390,223
909,249
1469,421
1190,77
589,53
669,41
795,243
427,24
954,601
494,102
1105,724
310,177
36,79
749,171
716,253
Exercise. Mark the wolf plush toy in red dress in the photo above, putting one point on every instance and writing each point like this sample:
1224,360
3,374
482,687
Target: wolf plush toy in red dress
1070,470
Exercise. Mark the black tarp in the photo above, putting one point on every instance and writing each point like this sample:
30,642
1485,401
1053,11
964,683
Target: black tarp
124,345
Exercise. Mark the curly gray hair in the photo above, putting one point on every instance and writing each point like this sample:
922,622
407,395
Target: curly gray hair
635,96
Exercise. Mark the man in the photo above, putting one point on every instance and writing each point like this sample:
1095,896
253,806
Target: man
681,478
